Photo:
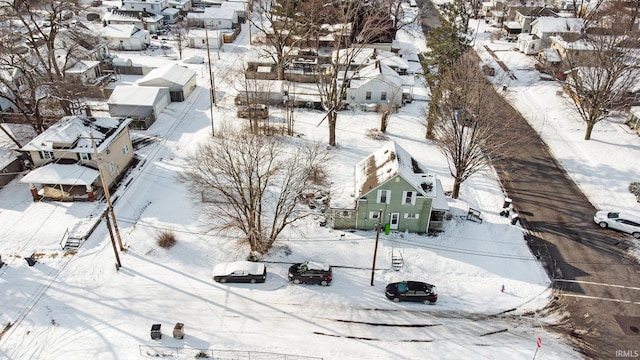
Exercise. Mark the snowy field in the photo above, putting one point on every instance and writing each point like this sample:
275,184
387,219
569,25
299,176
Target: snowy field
79,307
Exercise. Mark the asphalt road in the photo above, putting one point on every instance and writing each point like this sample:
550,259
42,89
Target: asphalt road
596,285
594,280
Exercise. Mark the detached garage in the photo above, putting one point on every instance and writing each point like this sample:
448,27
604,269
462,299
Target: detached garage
179,80
143,104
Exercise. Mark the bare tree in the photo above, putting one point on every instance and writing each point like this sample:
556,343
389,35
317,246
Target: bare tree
179,32
283,25
602,73
347,44
256,183
468,120
400,17
31,47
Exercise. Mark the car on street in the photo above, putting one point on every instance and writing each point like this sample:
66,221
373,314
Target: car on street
310,273
240,272
411,291
618,221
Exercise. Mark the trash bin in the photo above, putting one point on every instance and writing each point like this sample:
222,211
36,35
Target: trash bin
514,218
507,203
178,331
155,331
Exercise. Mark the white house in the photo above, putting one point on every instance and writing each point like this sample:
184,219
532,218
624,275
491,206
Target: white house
84,71
197,38
150,6
215,18
180,80
125,37
142,20
143,104
545,27
182,5
528,44
375,85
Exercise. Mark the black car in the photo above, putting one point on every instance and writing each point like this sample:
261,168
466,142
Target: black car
240,271
310,273
411,291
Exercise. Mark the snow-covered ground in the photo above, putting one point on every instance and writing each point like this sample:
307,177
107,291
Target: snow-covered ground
79,306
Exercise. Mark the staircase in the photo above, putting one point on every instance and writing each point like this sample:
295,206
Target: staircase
72,244
396,260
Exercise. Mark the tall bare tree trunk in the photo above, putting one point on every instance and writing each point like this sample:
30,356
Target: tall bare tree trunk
332,117
587,133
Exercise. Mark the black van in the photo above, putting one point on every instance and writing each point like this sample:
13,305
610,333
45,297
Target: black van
310,273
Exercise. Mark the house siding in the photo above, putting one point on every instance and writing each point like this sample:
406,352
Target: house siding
397,185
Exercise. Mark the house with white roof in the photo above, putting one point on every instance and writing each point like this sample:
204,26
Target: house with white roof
198,38
180,81
142,104
182,5
392,181
142,20
125,37
150,6
70,156
545,27
375,85
215,18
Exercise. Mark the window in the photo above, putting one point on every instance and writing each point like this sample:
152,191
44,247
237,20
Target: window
383,96
46,155
125,149
408,197
112,168
84,156
384,196
411,216
373,214
367,95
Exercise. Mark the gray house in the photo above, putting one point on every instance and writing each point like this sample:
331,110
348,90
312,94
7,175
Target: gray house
391,180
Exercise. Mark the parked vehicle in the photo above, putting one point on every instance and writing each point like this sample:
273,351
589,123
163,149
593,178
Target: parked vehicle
240,271
411,291
310,273
253,111
618,221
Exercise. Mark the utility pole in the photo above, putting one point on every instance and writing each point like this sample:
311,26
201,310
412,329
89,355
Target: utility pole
212,86
107,195
375,249
113,242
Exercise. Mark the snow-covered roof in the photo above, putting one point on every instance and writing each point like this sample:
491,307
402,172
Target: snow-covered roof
118,31
63,174
222,13
74,134
7,156
551,55
82,66
135,95
171,11
388,162
368,56
246,266
131,16
377,70
172,74
558,25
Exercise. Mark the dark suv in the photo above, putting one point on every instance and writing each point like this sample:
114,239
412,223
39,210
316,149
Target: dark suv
310,273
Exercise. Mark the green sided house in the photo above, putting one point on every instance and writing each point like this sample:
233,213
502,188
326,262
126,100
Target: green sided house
392,181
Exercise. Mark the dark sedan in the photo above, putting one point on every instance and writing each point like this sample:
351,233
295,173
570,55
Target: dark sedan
411,291
240,271
310,273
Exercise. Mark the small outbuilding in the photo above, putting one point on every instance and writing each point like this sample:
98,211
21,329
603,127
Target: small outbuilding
180,80
142,104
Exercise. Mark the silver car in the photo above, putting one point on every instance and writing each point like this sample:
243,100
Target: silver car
618,221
